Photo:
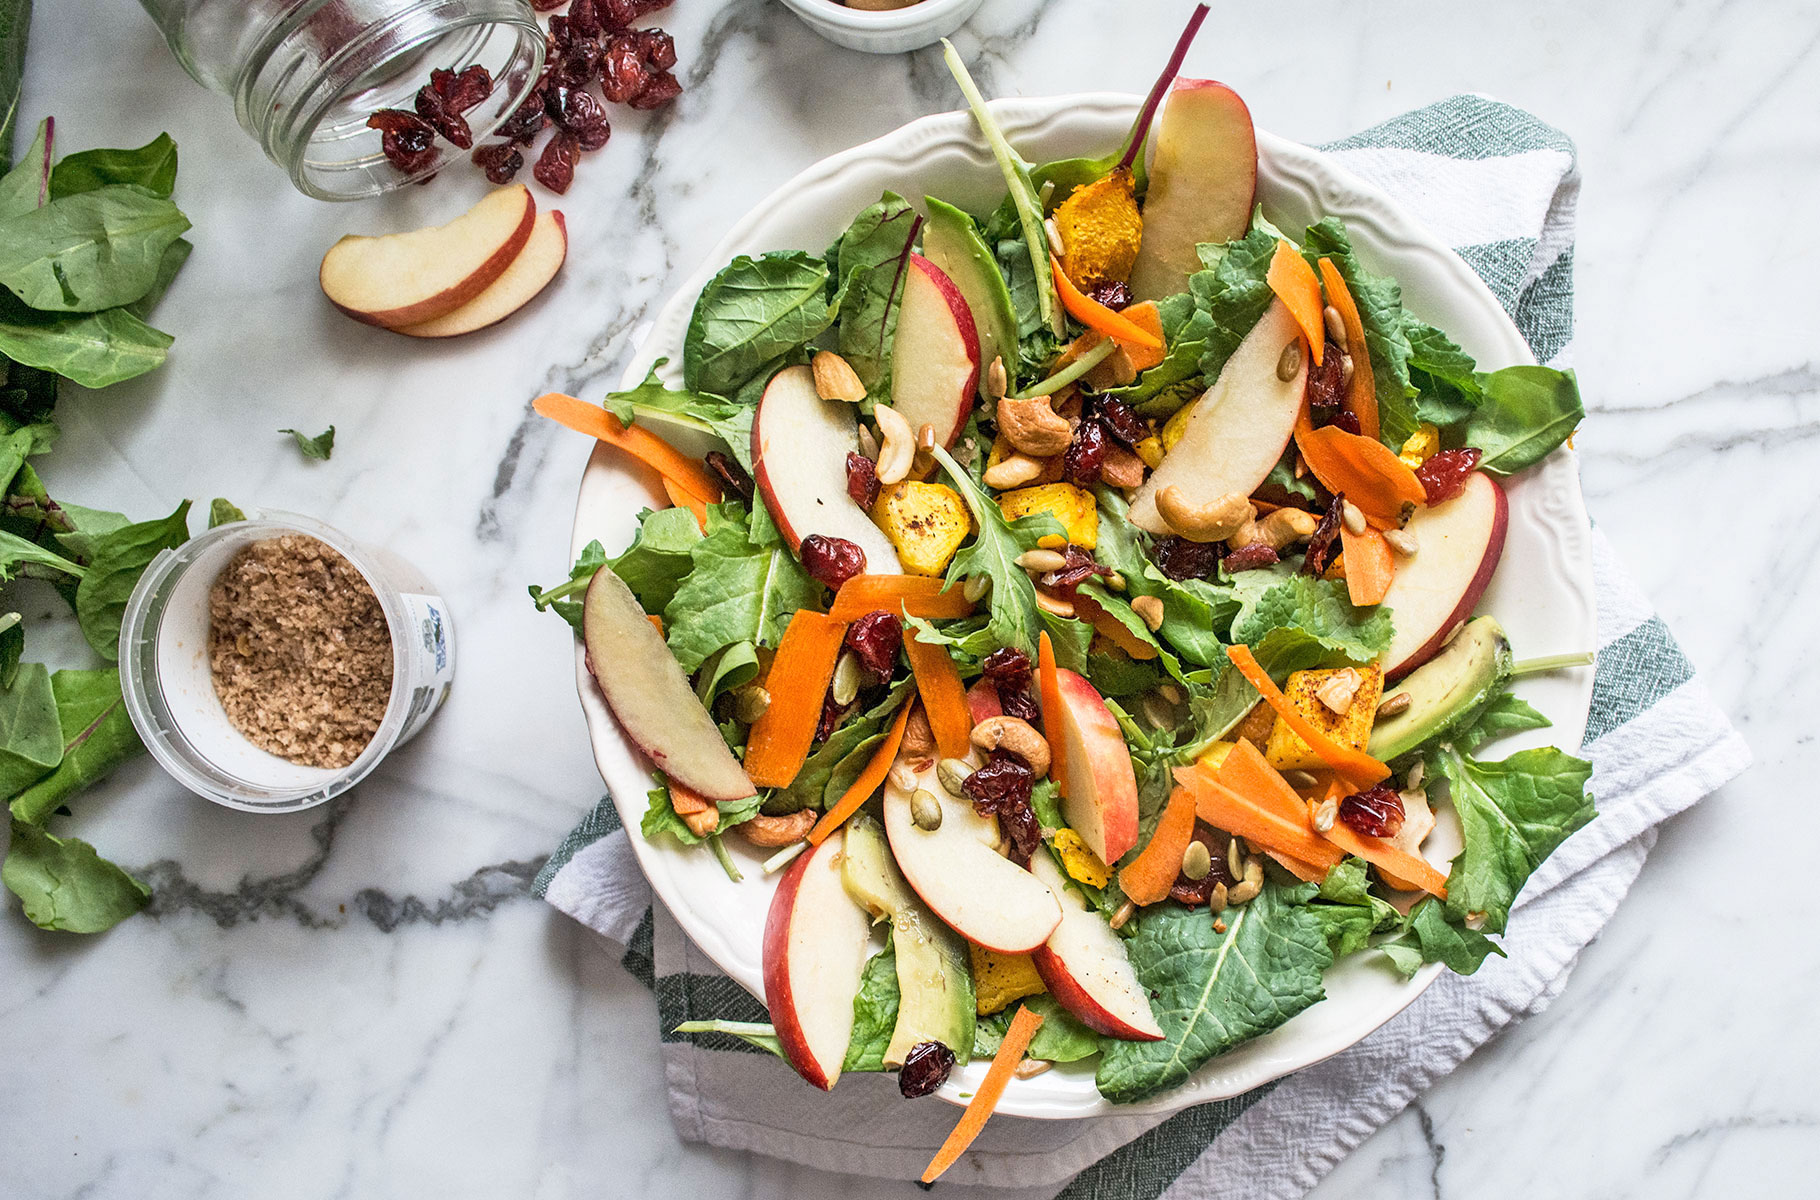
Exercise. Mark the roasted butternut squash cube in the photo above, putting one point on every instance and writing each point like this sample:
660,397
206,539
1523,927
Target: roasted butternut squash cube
1286,751
1073,506
1079,860
1000,979
927,522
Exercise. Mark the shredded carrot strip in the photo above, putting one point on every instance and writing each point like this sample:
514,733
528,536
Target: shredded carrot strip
657,623
1362,394
1397,866
1097,316
1294,282
1306,872
1146,317
1049,695
641,444
1369,566
1364,470
1147,878
1010,1052
1358,767
912,595
1244,817
877,767
681,497
1111,628
781,738
1250,774
944,695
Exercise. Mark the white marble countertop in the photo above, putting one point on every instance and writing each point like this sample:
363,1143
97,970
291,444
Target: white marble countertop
363,1001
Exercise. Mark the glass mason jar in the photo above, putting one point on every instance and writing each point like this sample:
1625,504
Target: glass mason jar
305,75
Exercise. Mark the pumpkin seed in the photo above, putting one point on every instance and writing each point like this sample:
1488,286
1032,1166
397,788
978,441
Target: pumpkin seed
953,773
848,676
1197,860
750,703
1235,861
976,587
1290,362
925,810
1398,703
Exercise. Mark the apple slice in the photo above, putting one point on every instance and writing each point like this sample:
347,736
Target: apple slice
410,278
651,697
814,952
1084,966
1458,544
1099,789
935,359
800,444
957,871
1239,427
524,278
1203,182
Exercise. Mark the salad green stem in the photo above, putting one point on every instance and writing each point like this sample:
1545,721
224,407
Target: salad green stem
561,591
784,857
759,1033
1069,373
1551,662
725,859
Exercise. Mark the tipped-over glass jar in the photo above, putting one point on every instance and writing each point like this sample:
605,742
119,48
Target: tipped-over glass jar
305,75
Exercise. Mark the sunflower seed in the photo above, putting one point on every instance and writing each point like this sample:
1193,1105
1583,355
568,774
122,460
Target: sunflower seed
1336,327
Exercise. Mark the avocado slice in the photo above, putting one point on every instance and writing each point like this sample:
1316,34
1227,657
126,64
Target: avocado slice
934,981
952,242
1447,690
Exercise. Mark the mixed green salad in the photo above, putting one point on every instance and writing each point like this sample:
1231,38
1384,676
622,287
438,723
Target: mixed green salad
1086,588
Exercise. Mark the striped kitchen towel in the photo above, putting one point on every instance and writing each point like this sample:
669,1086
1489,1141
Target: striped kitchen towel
1500,186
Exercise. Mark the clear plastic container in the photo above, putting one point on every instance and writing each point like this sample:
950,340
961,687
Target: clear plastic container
170,691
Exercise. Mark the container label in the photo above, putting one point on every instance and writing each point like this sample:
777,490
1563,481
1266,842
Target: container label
429,656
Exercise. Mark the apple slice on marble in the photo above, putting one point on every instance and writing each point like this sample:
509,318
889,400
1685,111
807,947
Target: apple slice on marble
524,278
1458,544
814,952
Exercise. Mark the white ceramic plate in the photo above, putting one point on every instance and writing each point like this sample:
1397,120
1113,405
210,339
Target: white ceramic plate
1542,592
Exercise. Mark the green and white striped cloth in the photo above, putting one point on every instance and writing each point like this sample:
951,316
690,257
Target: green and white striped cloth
1500,186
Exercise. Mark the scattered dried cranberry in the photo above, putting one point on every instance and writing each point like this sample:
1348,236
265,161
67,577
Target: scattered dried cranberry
1250,558
1009,671
658,47
663,88
1112,294
462,90
617,14
547,5
832,716
500,160
1324,389
862,480
1346,419
558,38
732,476
526,121
1179,558
1445,472
1022,830
578,65
623,73
925,1068
875,639
1085,455
584,19
1078,568
406,139
1021,705
555,167
583,116
1324,543
831,560
1120,419
1375,812
438,115
1193,892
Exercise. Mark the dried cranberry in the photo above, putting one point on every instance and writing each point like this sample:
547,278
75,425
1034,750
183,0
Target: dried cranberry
1009,671
500,160
406,140
555,167
925,1068
1376,812
1324,389
547,5
1120,419
1021,705
526,121
1112,294
1018,824
1005,781
1250,558
1179,558
1324,543
623,73
663,88
1194,892
560,38
1085,455
862,480
658,47
617,14
438,115
584,19
1444,473
875,639
831,560
732,476
578,65
462,90
832,716
583,116
1077,568
1346,419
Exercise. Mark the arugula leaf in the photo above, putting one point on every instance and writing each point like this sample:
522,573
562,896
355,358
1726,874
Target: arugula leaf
1445,378
875,1008
1212,991
1527,412
565,597
760,1034
175,255
94,350
1015,619
12,647
223,512
1321,609
1230,296
872,254
1380,303
1283,476
1061,1038
318,447
660,817
89,251
31,741
152,168
755,310
1512,814
97,737
1430,934
1161,390
734,591
658,558
833,766
119,558
1348,912
1504,714
64,885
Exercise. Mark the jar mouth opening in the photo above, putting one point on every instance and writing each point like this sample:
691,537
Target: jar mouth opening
308,95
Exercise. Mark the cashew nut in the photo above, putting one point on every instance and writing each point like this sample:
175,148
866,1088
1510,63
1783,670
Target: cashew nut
779,831
1214,521
898,450
1016,735
1034,427
1014,470
919,738
1281,528
835,378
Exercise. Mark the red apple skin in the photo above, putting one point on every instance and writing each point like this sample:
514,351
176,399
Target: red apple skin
982,701
453,324
450,299
1052,965
1202,213
779,994
1102,776
1083,1007
970,342
1469,600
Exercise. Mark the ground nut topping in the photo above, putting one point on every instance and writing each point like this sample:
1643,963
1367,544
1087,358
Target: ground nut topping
299,651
